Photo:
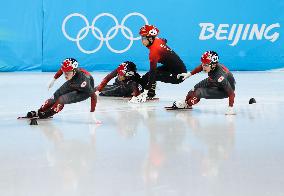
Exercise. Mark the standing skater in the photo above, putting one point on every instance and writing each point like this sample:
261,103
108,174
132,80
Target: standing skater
172,65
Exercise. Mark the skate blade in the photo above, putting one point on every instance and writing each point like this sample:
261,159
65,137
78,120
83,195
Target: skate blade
171,108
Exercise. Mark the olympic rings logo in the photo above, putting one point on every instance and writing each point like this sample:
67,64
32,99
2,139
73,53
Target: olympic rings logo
98,34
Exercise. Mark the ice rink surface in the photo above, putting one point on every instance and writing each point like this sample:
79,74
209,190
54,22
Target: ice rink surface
143,149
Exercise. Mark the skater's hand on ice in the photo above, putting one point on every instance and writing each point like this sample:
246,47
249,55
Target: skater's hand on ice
230,111
140,98
134,100
50,83
93,118
184,75
143,96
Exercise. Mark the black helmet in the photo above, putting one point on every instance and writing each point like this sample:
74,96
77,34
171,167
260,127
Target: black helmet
126,68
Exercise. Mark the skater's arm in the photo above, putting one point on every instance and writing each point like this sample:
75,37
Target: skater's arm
231,95
93,107
228,88
106,80
58,74
196,70
189,74
231,98
93,102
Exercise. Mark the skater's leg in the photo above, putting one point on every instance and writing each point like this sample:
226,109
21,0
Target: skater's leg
116,91
211,93
72,97
192,98
44,107
65,88
152,89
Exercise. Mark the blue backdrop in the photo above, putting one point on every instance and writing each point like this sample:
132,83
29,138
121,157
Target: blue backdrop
101,34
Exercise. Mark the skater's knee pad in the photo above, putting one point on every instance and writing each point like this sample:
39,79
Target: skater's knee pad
190,94
192,98
47,104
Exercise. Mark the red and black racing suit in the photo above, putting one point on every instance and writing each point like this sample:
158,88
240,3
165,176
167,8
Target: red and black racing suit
172,65
131,86
77,89
220,84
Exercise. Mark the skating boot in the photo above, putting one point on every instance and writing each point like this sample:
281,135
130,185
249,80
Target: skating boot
32,114
180,105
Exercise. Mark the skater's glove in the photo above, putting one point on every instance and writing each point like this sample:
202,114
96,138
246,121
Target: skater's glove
134,100
50,83
230,111
184,75
140,98
93,118
97,93
143,96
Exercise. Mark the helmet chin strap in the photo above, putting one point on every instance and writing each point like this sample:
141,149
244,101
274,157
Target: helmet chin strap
150,41
213,66
74,72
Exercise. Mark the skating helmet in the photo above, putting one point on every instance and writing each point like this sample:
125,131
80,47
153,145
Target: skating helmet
149,30
69,64
126,68
209,57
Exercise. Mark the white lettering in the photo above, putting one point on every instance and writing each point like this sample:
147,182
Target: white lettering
275,35
237,32
232,32
245,32
257,32
165,47
206,27
220,31
237,36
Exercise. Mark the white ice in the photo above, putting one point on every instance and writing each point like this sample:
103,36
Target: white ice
144,149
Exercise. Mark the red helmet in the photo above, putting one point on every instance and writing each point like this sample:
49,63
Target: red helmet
149,30
209,57
69,64
126,68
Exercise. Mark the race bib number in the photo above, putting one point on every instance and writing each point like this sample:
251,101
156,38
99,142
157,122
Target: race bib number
58,108
194,100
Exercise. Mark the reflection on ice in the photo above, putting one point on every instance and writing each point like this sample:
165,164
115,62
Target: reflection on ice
144,149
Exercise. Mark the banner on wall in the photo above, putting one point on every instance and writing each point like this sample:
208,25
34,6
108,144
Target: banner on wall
21,35
101,36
